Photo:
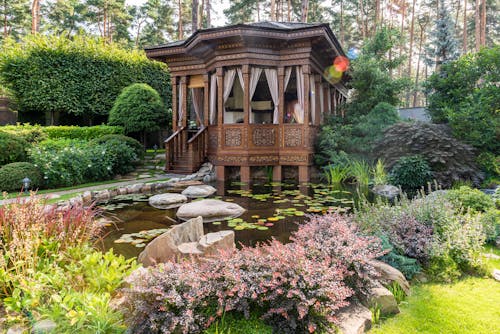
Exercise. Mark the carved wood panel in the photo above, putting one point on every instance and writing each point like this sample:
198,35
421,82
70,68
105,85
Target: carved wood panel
264,137
232,137
293,137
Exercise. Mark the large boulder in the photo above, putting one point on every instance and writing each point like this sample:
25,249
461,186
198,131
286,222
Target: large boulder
210,209
383,298
389,274
211,243
165,247
354,319
386,190
203,190
167,201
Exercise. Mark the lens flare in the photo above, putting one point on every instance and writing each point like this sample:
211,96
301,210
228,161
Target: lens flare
341,63
332,75
352,53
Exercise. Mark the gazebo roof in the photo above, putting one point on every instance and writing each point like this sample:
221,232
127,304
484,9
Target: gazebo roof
275,31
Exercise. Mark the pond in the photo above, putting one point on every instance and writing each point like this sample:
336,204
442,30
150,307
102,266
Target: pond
273,210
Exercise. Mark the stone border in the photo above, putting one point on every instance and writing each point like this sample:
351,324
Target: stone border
205,174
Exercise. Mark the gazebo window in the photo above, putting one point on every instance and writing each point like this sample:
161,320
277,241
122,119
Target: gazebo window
233,96
294,95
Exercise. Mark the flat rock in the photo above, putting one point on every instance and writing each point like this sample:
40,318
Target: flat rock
165,247
17,329
167,201
203,190
354,319
210,209
386,190
44,326
496,274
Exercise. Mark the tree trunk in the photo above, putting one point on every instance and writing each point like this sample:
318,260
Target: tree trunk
477,26
342,31
35,16
377,13
208,10
464,32
289,10
305,10
421,42
483,23
180,32
412,31
194,16
273,10
402,34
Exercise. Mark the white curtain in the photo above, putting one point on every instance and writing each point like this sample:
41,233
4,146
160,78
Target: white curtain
298,112
213,99
254,80
312,100
272,82
197,98
240,76
329,100
321,101
180,111
228,85
288,74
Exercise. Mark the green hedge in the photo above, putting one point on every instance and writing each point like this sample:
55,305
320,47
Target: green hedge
37,133
11,176
81,132
79,76
131,142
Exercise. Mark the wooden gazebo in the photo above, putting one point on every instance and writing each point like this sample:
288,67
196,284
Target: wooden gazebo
250,95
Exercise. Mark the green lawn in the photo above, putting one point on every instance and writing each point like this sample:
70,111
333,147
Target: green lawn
471,305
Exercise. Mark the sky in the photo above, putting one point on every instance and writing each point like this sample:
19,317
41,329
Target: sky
218,6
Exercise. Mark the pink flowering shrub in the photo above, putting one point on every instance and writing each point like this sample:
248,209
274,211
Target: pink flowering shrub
298,287
411,238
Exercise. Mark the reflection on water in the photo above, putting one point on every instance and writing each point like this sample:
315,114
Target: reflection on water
285,204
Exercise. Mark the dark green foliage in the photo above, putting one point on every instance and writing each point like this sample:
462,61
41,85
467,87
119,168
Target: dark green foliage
13,148
449,159
411,172
468,198
408,266
131,142
138,109
121,156
489,163
11,176
371,77
465,93
81,76
81,132
443,46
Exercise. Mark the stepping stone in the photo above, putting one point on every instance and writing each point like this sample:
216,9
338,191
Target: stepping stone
167,201
203,190
210,209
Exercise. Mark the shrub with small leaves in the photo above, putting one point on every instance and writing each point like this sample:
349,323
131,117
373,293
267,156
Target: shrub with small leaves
411,172
134,144
468,198
11,176
13,148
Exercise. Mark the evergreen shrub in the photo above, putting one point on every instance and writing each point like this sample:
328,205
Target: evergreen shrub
12,148
131,142
81,132
468,198
411,172
11,176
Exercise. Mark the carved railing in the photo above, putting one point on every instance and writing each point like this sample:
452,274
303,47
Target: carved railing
197,148
175,145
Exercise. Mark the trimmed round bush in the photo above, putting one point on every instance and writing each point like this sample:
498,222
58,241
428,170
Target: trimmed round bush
138,109
11,176
469,198
411,172
131,142
13,148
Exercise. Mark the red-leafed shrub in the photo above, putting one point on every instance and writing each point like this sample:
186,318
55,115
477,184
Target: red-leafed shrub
298,287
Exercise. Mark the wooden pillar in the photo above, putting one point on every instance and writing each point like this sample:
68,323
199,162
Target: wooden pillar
183,84
220,104
317,81
245,174
277,173
304,174
206,99
281,95
175,104
246,95
306,71
220,173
